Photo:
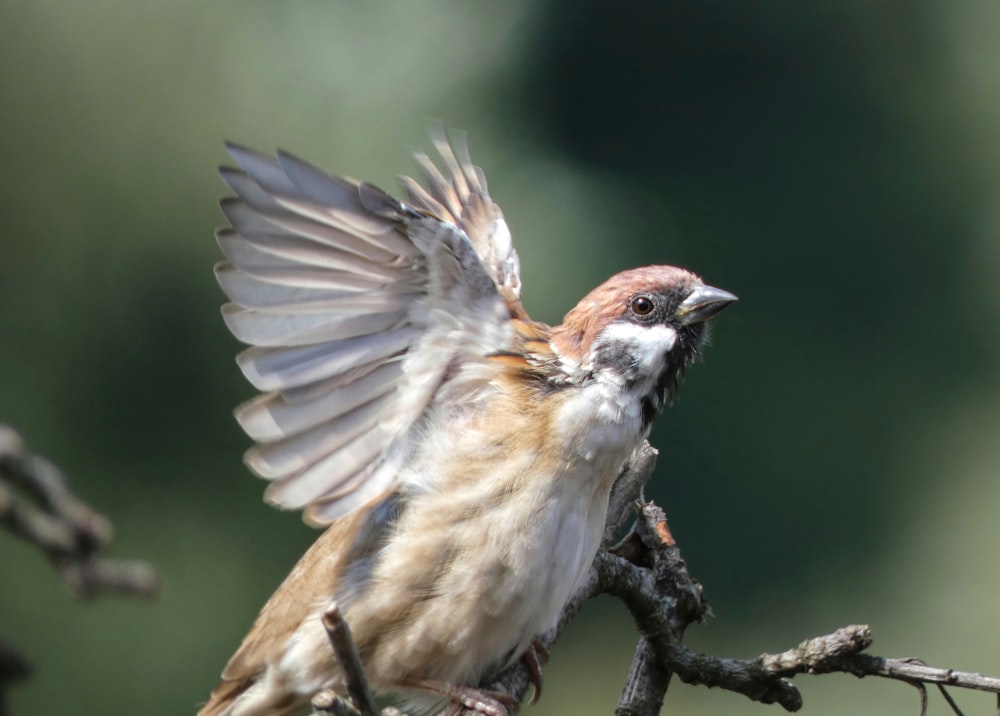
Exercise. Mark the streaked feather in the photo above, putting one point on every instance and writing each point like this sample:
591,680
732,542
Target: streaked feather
327,475
272,416
282,238
298,328
314,391
357,308
339,196
381,235
462,198
422,197
354,493
282,368
340,291
333,234
286,457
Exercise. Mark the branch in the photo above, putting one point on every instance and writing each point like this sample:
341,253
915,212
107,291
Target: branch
762,679
37,505
350,662
646,571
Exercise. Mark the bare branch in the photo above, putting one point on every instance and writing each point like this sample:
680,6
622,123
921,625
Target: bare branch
763,679
627,490
350,662
37,505
646,571
912,670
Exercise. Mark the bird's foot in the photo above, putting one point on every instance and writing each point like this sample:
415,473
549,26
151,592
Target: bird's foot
534,658
488,703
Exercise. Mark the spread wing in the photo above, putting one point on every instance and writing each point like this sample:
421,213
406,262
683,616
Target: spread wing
358,308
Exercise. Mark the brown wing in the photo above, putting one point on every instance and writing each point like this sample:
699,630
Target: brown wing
309,586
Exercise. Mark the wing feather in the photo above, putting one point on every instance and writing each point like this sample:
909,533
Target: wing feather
274,416
300,241
327,476
357,308
281,368
284,289
286,457
354,493
461,197
297,328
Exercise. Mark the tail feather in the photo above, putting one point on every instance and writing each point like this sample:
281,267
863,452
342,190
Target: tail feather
226,700
223,695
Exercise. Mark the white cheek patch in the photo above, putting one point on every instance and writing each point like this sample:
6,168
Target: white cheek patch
648,344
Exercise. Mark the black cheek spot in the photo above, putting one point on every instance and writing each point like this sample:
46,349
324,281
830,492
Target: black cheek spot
616,358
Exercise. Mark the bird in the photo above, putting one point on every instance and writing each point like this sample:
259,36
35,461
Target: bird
459,454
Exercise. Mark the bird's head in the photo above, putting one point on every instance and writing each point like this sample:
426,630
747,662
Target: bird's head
643,326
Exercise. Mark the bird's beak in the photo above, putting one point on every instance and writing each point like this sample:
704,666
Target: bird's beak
705,302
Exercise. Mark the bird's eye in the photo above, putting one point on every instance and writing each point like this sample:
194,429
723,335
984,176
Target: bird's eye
641,305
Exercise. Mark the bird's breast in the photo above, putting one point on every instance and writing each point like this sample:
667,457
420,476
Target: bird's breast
503,515
601,422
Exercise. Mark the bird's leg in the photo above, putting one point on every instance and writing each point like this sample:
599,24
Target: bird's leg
536,656
488,703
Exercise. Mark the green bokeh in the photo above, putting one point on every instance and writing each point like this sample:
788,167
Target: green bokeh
835,164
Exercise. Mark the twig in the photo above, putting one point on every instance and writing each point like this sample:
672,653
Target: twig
70,532
913,670
944,693
762,679
627,490
37,505
672,594
350,662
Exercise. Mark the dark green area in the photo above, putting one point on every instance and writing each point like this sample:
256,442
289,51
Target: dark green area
834,164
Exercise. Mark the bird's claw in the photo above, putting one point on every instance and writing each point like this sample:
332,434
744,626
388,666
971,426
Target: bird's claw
487,703
534,658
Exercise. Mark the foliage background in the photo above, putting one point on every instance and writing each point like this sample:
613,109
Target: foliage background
833,163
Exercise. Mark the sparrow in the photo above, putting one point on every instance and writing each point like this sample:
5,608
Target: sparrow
459,454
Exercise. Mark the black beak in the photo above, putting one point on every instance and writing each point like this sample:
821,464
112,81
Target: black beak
705,302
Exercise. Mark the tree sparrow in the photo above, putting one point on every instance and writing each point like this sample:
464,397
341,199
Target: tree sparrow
461,454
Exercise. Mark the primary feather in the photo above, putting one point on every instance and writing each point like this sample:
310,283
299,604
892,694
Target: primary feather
357,307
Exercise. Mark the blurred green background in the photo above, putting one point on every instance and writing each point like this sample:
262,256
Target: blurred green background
835,164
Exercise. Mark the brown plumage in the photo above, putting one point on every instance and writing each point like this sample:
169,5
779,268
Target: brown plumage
461,453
